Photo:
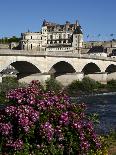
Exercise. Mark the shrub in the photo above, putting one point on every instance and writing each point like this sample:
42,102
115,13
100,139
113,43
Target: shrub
2,98
86,85
111,84
9,83
74,88
89,84
42,123
53,85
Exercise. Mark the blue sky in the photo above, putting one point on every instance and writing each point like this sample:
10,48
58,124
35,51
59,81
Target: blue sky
95,16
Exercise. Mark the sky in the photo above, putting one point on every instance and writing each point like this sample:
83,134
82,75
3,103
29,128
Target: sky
96,17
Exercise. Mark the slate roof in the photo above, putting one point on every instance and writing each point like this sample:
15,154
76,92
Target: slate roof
113,52
97,49
78,30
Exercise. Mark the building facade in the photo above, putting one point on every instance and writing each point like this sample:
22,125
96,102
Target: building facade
54,37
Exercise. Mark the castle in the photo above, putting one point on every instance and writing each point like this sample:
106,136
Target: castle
62,38
59,51
54,37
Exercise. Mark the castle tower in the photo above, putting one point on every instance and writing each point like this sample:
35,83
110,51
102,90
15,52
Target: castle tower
77,42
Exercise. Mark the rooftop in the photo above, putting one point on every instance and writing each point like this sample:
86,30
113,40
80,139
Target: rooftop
97,49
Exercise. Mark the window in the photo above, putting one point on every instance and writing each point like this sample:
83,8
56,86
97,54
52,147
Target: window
50,36
69,41
68,35
31,47
60,36
31,37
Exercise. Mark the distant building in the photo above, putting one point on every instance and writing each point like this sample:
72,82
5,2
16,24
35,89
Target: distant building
67,37
98,51
113,54
54,37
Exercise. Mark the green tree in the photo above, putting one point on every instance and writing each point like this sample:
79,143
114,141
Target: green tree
53,85
89,85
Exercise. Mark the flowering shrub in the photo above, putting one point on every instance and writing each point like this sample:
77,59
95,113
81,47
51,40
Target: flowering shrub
38,122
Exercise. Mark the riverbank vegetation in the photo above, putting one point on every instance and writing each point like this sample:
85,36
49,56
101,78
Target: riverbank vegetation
77,88
38,122
110,141
90,86
42,120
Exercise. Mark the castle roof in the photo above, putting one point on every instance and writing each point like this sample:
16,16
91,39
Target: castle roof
113,52
78,30
67,26
97,49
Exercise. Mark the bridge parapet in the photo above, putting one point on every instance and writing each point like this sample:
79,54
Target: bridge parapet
70,54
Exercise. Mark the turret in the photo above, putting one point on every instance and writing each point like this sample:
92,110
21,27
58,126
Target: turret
77,39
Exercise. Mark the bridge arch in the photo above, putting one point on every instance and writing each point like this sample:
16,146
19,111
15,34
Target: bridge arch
61,68
5,61
24,68
111,68
111,72
90,68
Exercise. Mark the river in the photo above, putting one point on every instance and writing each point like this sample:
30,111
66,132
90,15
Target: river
105,106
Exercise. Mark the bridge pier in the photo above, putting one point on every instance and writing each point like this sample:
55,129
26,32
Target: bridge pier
111,76
69,77
98,76
42,77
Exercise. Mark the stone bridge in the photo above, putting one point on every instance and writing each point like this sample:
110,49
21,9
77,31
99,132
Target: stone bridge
64,66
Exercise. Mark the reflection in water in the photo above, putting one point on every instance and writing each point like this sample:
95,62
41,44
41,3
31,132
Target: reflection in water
105,106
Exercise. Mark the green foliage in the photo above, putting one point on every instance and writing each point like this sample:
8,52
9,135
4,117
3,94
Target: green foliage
74,87
22,84
94,117
111,84
9,40
53,85
9,83
2,98
87,85
109,141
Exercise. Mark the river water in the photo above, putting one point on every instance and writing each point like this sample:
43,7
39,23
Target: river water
105,106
